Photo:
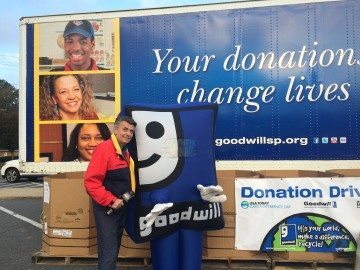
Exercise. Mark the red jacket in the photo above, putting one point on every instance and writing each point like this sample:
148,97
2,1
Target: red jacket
108,175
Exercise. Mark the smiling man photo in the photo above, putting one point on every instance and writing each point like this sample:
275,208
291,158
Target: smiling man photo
79,44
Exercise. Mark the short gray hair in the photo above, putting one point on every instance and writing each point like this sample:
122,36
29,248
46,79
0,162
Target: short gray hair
122,118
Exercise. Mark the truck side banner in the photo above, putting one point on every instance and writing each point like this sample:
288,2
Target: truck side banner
316,215
286,78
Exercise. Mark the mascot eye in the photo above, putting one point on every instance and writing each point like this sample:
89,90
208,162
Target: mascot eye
155,130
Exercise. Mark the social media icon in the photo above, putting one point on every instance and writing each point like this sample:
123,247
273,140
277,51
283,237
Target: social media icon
333,140
343,140
316,140
325,140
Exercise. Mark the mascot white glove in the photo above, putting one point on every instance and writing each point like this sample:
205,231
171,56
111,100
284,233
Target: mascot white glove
212,193
157,210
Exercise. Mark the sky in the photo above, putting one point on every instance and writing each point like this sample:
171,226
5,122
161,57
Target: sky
12,11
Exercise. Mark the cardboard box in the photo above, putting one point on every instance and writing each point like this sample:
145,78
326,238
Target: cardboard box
70,232
228,185
129,249
122,252
304,256
236,174
213,253
66,251
230,221
137,253
70,242
66,203
226,179
293,173
127,242
228,231
346,172
219,242
134,253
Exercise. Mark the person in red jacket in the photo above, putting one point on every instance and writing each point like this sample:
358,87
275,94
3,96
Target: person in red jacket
109,175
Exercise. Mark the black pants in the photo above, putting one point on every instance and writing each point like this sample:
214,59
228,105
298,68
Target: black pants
109,232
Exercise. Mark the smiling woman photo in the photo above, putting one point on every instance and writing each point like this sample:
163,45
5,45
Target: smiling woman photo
66,97
83,140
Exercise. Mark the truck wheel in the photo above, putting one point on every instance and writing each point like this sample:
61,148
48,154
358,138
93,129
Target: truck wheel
12,175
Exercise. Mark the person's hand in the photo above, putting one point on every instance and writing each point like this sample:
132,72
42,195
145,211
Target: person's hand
157,210
117,204
212,193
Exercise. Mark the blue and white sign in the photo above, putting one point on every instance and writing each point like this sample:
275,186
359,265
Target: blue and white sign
285,78
297,214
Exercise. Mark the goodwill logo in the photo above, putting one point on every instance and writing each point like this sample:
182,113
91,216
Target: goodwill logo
190,214
329,204
288,234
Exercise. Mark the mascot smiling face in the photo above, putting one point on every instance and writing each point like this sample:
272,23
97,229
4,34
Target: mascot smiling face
174,148
158,149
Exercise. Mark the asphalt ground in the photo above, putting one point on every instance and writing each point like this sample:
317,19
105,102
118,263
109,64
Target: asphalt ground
21,229
24,188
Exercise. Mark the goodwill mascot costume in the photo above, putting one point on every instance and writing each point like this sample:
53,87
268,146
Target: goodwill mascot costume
177,196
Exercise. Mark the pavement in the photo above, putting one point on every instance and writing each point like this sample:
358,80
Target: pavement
24,188
27,192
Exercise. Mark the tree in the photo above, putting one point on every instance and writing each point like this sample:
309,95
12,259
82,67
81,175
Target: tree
9,97
9,116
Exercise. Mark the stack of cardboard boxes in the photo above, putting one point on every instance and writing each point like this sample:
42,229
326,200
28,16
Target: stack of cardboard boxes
68,222
221,243
129,249
69,227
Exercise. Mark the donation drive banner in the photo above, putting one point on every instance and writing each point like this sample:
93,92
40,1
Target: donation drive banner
285,77
316,215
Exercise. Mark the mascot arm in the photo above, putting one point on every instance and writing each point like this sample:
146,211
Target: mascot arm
212,193
161,200
155,212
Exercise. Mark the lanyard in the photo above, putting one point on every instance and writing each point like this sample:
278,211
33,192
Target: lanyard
129,161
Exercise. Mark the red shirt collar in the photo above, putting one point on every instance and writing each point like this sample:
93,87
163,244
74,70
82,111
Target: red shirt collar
92,66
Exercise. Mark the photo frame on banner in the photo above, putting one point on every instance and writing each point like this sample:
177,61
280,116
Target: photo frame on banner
76,85
72,142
